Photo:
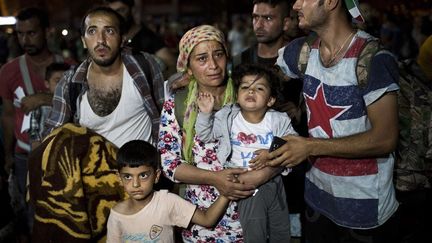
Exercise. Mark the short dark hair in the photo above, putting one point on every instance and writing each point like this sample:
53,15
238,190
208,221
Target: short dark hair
136,153
269,73
286,6
33,12
55,67
130,3
108,11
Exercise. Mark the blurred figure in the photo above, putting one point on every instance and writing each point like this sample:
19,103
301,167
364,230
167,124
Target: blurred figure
237,36
422,29
390,34
23,91
4,50
413,167
269,19
140,38
424,58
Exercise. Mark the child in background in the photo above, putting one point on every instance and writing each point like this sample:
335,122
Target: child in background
243,131
53,74
148,215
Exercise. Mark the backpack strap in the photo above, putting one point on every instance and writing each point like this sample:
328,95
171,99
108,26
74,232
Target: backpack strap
367,51
179,105
25,75
304,53
145,66
74,90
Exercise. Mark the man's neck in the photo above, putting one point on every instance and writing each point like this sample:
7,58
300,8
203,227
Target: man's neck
270,50
334,33
112,69
39,62
42,58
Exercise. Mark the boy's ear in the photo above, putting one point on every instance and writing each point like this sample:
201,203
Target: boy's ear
158,173
46,84
119,177
271,101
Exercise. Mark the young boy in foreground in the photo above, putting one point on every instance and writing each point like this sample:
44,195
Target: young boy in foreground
149,215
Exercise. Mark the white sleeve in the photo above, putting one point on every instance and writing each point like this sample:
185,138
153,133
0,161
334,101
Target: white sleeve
113,229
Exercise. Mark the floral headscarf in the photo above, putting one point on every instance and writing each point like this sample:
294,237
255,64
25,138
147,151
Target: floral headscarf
189,40
192,38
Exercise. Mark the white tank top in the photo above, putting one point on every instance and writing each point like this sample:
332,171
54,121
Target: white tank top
127,122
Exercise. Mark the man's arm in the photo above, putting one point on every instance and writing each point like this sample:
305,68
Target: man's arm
8,133
379,140
190,174
210,217
259,177
32,102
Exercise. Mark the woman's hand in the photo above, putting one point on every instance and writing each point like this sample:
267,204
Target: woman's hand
259,177
227,184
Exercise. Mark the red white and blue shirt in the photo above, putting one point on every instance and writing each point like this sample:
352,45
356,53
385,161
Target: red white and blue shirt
354,193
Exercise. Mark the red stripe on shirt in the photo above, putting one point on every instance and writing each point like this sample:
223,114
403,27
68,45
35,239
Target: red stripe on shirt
346,167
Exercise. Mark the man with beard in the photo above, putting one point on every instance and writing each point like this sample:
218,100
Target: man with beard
111,98
140,38
352,122
23,90
270,19
119,95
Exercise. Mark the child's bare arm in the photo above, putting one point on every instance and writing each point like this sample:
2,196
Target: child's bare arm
205,102
210,217
260,160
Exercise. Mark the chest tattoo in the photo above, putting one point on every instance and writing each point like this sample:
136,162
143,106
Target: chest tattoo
104,102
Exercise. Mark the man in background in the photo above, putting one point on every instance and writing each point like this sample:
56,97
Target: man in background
23,90
140,38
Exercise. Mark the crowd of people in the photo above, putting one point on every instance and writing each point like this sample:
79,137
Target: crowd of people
312,123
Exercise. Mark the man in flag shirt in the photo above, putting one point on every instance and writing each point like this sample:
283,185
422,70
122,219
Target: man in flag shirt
353,128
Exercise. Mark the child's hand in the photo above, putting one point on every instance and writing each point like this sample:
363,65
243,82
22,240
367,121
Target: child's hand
205,102
260,160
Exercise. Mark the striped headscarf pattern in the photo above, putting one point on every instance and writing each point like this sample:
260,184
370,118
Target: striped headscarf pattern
192,38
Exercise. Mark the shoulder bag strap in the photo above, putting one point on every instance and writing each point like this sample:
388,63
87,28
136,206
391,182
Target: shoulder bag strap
26,75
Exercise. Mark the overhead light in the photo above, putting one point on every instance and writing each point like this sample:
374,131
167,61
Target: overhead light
65,32
9,20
